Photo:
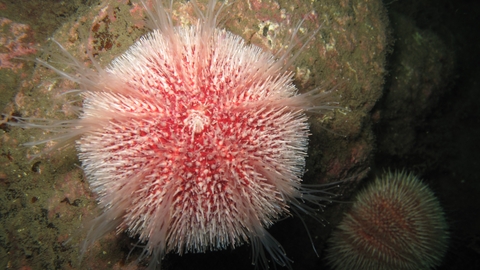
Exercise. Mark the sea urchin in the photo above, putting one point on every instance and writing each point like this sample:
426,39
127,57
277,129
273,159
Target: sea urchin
395,223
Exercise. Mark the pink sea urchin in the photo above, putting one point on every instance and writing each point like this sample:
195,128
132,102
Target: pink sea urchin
395,223
193,140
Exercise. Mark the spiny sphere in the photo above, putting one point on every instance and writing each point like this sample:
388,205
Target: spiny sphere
193,141
395,223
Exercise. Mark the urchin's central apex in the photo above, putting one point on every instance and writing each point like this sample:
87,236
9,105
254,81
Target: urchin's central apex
196,121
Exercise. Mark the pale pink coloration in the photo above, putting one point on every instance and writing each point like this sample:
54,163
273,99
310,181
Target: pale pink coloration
193,140
14,44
